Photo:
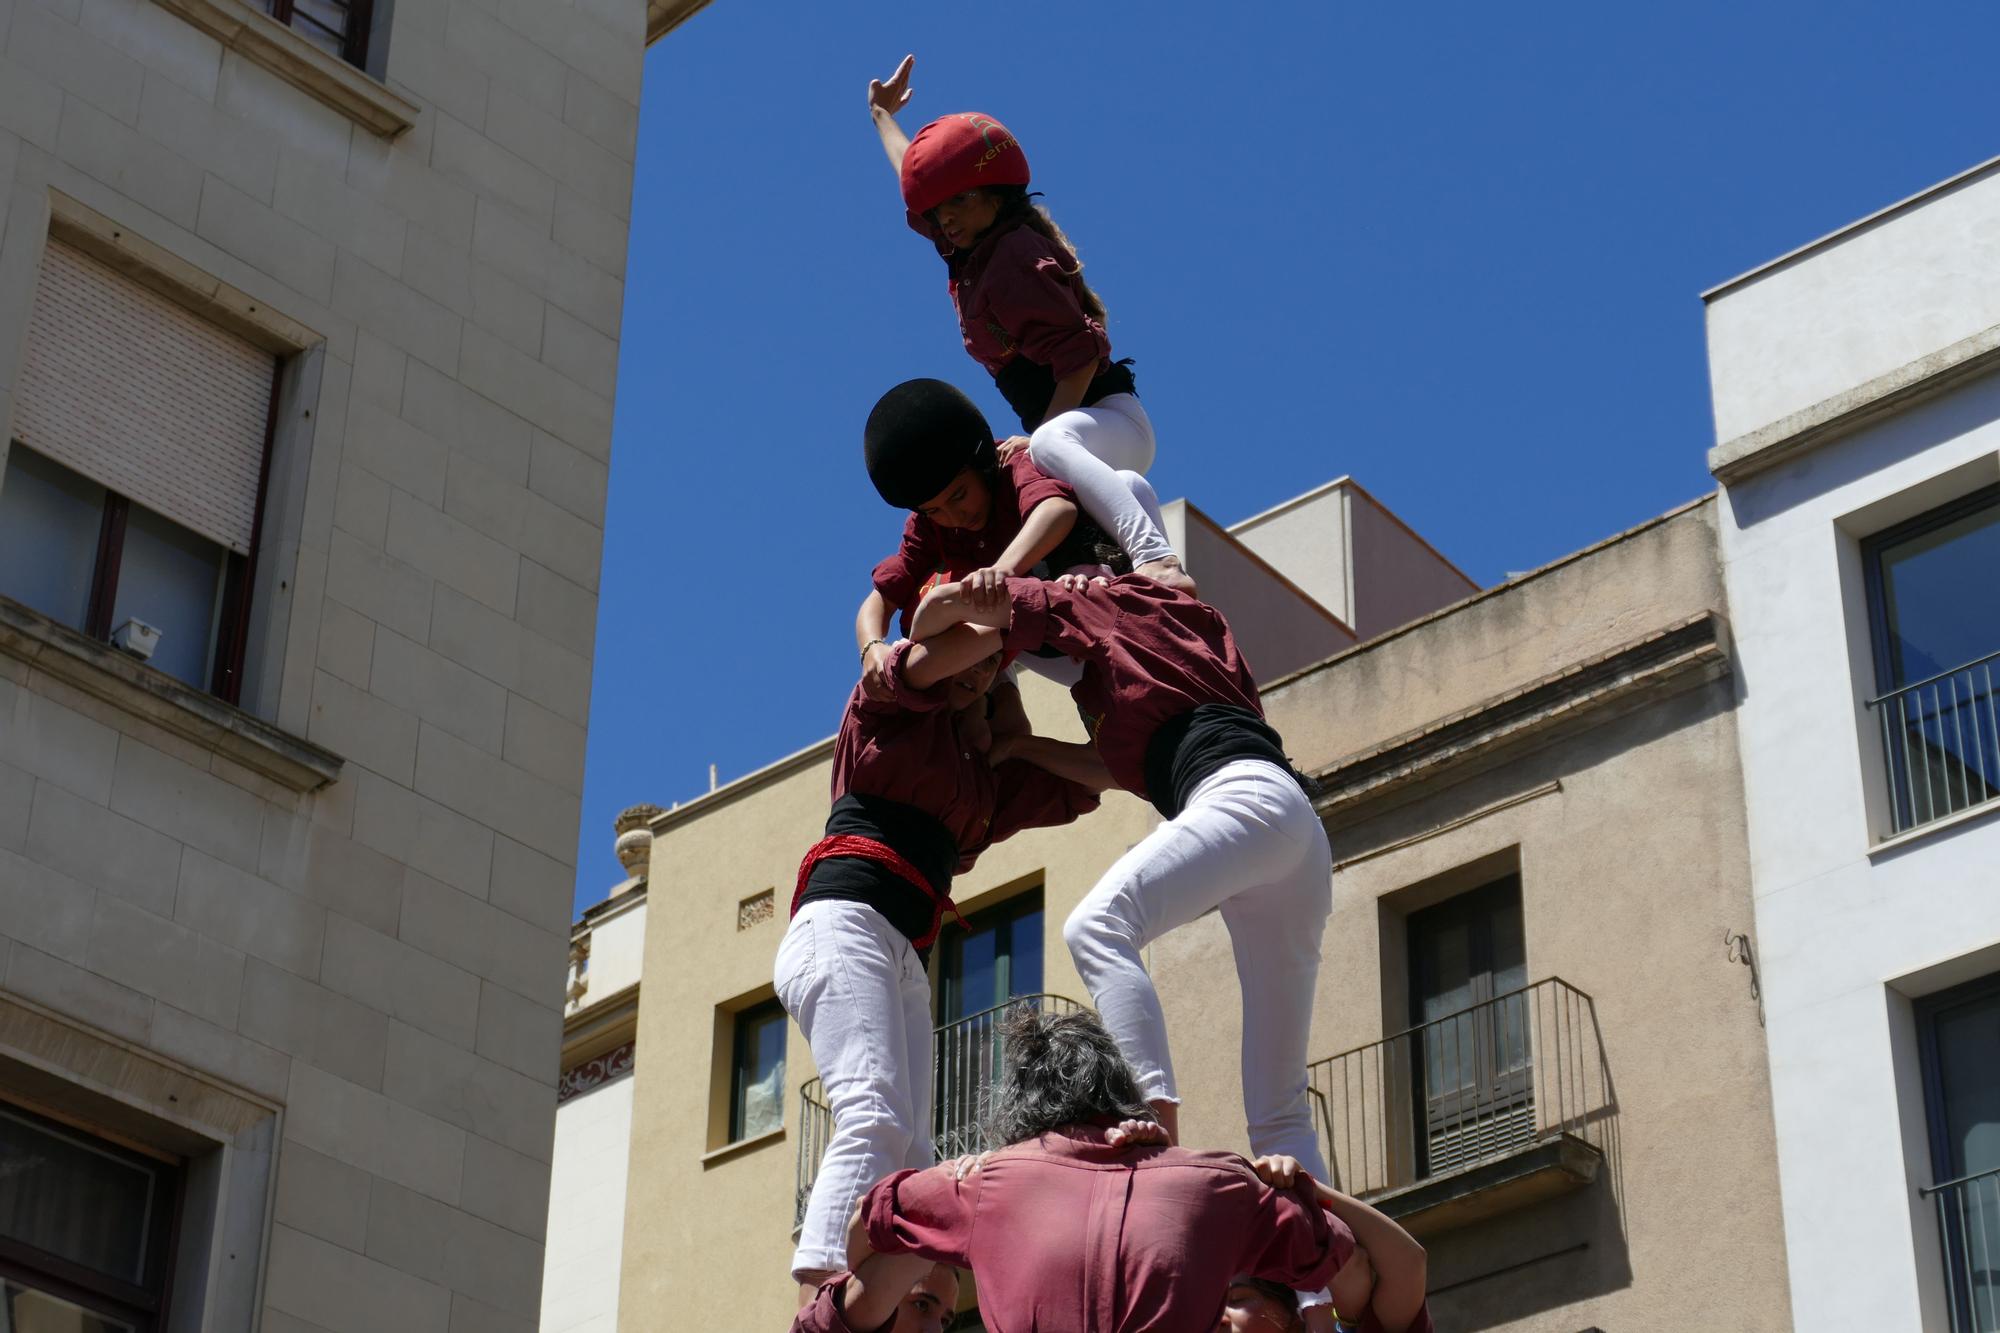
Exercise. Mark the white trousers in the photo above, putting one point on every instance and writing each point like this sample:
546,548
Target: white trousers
1249,844
855,987
1101,451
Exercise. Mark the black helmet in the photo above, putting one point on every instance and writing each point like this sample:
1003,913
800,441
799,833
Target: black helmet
921,434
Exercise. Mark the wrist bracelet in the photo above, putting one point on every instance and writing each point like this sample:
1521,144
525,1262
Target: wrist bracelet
870,644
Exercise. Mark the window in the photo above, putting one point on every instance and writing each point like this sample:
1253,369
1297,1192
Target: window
1934,609
132,493
1468,973
757,1072
85,1230
338,27
998,958
1959,1039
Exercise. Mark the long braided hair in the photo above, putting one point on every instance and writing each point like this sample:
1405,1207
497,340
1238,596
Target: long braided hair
1018,205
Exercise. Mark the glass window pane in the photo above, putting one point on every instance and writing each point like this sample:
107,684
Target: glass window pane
68,1197
1940,596
49,523
1024,955
23,1310
169,578
758,1079
1968,1053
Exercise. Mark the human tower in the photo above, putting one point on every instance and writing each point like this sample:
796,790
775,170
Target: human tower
1044,550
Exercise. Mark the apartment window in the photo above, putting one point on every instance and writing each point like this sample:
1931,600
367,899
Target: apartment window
1934,608
338,27
996,959
131,500
757,1072
1468,973
1959,1040
86,1230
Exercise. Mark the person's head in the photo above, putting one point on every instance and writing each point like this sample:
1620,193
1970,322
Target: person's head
928,449
1062,1069
969,686
1255,1305
957,154
929,1306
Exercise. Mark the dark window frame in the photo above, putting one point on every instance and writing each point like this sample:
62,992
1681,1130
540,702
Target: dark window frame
1008,913
144,1305
1872,547
743,1022
353,42
238,578
1943,1165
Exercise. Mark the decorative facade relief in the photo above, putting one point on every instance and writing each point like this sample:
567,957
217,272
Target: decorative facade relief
756,910
606,1068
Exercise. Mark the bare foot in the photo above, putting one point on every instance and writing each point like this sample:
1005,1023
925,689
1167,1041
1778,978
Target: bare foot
1167,572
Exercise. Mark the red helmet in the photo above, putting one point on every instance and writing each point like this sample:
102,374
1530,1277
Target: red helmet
957,153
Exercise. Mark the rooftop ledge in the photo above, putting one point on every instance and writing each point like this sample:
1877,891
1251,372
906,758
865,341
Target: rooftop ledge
150,695
261,39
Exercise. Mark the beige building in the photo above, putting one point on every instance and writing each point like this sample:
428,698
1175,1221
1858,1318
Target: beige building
309,318
1535,1037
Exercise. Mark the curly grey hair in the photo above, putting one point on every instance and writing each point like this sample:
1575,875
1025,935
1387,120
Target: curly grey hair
1061,1069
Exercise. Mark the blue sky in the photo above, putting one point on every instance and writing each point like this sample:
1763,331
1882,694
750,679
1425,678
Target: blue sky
1455,251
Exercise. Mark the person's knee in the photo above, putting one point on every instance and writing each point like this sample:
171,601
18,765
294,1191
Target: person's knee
1096,933
1142,490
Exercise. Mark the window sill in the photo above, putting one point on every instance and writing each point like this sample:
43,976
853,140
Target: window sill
1548,1167
103,672
741,1147
1971,813
259,38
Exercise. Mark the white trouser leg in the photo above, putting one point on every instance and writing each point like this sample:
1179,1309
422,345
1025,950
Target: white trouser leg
854,986
1086,448
1247,830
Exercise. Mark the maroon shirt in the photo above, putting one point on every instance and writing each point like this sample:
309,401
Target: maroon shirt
911,751
1017,293
825,1315
1148,654
929,549
1068,1234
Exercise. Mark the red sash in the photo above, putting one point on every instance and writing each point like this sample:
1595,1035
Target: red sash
868,849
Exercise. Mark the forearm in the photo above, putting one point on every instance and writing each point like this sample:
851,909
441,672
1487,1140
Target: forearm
947,654
1047,524
894,142
1075,761
871,622
947,606
1070,390
1401,1266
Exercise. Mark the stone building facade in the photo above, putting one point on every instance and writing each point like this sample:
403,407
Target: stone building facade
309,318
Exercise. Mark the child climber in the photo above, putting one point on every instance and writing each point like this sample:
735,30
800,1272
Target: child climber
1027,315
914,799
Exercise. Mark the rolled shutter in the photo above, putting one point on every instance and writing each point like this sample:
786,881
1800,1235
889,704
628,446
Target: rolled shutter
145,397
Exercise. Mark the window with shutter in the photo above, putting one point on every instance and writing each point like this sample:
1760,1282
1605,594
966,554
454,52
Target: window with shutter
141,435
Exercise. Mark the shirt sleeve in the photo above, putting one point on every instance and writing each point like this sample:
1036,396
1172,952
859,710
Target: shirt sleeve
899,577
1421,1324
903,695
1033,294
1046,614
925,1213
1296,1242
1028,797
1032,486
823,1314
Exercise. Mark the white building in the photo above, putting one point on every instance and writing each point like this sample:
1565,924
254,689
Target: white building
1859,454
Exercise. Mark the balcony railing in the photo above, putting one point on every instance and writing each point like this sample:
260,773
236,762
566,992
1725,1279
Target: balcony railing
1941,743
1969,1232
968,1058
1463,1090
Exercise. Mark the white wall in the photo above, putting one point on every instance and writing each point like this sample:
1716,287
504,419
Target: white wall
1860,305
587,1211
1846,929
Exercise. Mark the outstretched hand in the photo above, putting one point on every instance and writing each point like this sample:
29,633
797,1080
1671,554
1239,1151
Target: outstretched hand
1010,446
1138,1134
893,95
1081,582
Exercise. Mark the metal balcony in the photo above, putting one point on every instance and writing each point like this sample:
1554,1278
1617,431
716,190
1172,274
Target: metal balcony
1968,1212
1481,1111
1941,743
968,1057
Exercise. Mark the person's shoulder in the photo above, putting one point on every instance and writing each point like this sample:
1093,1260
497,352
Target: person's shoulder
1022,244
1200,1159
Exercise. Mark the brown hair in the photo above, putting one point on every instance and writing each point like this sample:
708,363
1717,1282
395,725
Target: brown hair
1016,204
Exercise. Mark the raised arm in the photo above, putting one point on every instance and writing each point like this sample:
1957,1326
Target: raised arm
871,639
1400,1264
884,101
947,654
947,605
